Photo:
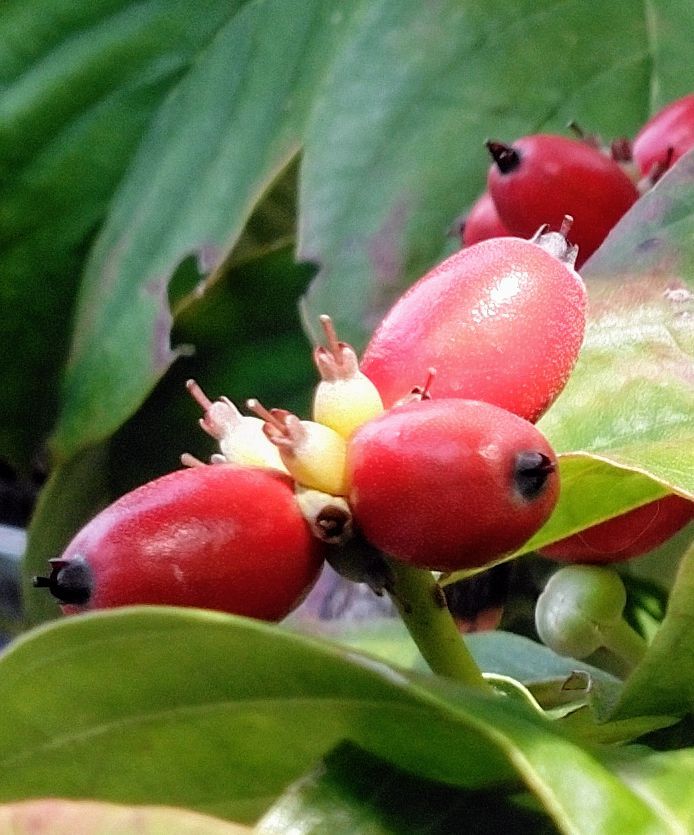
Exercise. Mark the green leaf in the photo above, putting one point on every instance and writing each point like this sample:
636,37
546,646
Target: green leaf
628,405
219,714
496,651
66,817
218,143
663,682
664,780
630,399
354,792
80,82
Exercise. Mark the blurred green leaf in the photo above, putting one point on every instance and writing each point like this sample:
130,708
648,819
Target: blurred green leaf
663,681
80,82
68,817
495,651
219,714
218,143
248,343
630,400
664,781
354,793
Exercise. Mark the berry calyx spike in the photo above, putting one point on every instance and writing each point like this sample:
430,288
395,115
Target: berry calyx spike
506,157
558,243
345,398
189,460
313,454
241,438
70,581
419,393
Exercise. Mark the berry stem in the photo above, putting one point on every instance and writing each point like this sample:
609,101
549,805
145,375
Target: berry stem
623,641
422,606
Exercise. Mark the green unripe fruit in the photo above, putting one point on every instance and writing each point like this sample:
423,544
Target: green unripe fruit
580,604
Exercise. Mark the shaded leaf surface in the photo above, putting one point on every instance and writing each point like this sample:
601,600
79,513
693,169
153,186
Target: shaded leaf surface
354,792
80,82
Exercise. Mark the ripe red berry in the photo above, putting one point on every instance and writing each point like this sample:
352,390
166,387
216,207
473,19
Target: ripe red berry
541,178
218,537
623,537
502,322
665,137
450,484
482,222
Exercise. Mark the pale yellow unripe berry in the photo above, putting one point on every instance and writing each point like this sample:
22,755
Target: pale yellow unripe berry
313,454
345,398
241,437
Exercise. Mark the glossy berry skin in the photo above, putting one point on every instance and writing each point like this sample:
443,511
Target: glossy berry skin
540,178
482,222
665,137
502,322
623,537
221,537
450,484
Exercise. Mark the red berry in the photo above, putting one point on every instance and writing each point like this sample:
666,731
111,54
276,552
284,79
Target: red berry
482,222
541,178
450,484
502,322
218,537
665,137
629,535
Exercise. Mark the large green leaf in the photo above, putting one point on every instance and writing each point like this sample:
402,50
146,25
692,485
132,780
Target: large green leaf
219,714
80,81
220,140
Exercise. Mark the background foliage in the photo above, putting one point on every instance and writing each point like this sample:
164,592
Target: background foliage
171,184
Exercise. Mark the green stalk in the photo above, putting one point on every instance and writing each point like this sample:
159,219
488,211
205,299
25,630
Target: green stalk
422,606
623,641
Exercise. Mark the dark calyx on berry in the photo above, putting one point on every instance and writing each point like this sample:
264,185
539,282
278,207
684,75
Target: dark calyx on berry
70,581
506,157
558,243
531,473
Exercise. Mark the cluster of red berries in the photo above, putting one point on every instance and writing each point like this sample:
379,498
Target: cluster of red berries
542,177
445,475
